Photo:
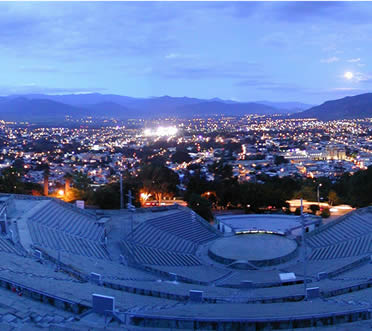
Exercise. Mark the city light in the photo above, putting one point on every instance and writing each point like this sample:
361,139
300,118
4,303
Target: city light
145,196
161,131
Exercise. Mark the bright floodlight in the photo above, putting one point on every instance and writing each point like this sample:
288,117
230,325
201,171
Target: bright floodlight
161,131
348,75
147,132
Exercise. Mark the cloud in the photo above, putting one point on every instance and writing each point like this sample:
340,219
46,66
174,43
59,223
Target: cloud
362,77
276,39
32,88
203,69
178,56
263,83
80,30
345,89
330,60
300,11
354,60
38,69
241,9
358,77
172,56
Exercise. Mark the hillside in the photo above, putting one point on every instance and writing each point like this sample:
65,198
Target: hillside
359,106
23,109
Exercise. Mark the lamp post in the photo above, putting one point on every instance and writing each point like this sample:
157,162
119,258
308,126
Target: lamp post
304,248
317,191
121,192
131,210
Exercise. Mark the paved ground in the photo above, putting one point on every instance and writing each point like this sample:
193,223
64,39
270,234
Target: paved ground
253,247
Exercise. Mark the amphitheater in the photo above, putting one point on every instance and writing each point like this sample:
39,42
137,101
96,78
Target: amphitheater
166,268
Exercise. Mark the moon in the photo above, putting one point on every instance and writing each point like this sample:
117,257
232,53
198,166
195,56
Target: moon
348,75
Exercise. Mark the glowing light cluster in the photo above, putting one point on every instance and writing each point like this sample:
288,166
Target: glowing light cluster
161,131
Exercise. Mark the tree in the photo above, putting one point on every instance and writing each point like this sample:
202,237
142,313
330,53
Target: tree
307,193
108,196
68,177
280,159
333,198
10,181
221,170
198,184
74,194
46,179
314,208
180,157
18,165
159,180
201,206
359,187
81,181
325,213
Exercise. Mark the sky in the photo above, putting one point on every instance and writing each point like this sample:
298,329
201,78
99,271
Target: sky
243,51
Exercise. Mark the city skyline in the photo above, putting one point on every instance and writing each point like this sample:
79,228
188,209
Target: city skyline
305,51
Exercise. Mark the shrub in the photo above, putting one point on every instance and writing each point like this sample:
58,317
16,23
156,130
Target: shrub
325,213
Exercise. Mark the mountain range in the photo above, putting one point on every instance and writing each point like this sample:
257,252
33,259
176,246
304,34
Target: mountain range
40,107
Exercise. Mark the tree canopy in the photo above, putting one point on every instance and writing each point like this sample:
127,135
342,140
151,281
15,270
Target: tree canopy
159,180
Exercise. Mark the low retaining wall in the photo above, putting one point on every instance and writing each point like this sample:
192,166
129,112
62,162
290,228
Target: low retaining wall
263,263
61,303
177,322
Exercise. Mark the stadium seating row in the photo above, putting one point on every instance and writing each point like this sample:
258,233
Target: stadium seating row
350,227
148,255
73,222
148,235
59,240
7,246
354,247
185,225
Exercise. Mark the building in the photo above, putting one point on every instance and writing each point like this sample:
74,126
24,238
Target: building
266,223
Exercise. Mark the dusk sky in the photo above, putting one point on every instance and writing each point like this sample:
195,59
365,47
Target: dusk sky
246,51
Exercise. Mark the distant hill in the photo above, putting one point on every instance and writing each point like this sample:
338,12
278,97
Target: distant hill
80,99
106,109
235,109
39,107
23,109
291,107
164,102
359,106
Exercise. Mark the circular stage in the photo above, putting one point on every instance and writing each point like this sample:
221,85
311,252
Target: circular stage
257,249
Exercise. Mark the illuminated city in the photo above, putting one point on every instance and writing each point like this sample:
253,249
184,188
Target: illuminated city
182,165
250,144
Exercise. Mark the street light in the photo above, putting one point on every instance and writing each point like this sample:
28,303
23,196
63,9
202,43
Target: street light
317,191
